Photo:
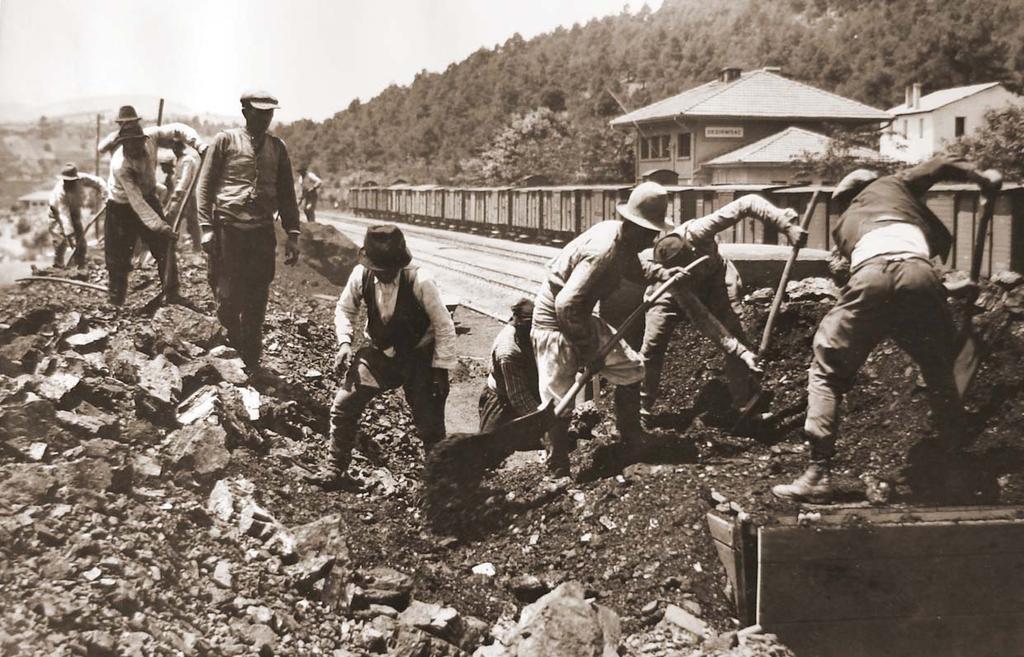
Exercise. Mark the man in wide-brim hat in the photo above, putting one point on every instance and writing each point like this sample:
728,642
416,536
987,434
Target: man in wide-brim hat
134,211
66,201
566,335
246,179
409,343
689,241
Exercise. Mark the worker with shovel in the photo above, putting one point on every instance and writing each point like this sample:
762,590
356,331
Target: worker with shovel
186,168
889,236
134,211
682,246
245,179
511,388
411,345
66,201
567,336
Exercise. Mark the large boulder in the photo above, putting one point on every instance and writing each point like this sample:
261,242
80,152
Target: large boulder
175,324
328,251
200,448
321,555
563,623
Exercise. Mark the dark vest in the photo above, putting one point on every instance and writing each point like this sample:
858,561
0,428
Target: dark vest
407,325
886,201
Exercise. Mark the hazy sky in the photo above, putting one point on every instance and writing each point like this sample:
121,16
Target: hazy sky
316,55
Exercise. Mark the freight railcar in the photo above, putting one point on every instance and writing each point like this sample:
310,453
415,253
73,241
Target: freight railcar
555,214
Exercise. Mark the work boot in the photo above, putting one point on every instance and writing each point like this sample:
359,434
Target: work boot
117,291
812,486
559,445
332,478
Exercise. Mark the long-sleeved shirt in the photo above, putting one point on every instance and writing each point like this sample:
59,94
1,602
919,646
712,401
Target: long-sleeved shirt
64,204
588,269
442,328
310,183
246,180
186,169
701,233
132,179
513,375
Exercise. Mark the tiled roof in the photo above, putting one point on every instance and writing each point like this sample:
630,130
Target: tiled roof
756,94
785,146
942,97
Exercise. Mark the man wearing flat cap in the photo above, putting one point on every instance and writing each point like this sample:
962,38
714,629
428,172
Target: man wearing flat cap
66,201
410,344
134,211
889,236
245,179
686,243
566,335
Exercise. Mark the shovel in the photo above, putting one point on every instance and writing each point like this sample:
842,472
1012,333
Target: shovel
476,452
969,350
780,295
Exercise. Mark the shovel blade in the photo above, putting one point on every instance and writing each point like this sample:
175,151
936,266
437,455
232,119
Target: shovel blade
965,366
480,451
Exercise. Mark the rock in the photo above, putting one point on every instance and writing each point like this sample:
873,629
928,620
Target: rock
323,555
134,644
563,623
30,483
200,449
1007,279
412,642
199,405
442,622
37,451
145,465
91,340
175,324
486,569
262,639
211,371
89,474
812,289
31,416
125,364
684,619
222,574
313,375
528,588
88,420
55,387
385,586
227,406
327,251
160,379
100,644
721,642
20,355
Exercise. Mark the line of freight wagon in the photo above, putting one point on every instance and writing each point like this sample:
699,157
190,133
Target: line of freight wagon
555,215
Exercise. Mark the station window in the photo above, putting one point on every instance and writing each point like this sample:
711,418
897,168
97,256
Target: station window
961,122
684,144
658,147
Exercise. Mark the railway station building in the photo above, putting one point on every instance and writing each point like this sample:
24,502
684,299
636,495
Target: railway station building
735,128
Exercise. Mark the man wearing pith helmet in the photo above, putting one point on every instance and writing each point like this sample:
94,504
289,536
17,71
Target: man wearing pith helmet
246,178
567,336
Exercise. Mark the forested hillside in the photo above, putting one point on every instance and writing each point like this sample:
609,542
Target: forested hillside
542,106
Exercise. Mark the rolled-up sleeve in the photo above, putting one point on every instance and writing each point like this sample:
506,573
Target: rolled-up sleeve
750,206
346,311
167,135
98,184
574,304
441,325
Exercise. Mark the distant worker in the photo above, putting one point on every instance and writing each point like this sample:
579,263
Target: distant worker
165,180
187,163
686,243
889,235
511,388
66,201
310,184
246,177
566,334
410,344
134,211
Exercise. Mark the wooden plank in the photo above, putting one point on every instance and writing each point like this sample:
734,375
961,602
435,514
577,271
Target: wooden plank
964,235
721,528
998,635
851,515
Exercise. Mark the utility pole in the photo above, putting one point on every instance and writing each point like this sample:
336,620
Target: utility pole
160,113
97,149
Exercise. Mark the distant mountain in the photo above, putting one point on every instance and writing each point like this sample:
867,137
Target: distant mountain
84,110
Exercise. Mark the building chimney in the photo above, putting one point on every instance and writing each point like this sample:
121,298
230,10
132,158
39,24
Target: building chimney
731,73
908,96
777,70
917,95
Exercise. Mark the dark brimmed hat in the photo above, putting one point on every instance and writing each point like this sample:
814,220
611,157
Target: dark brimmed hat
384,248
127,114
647,207
128,132
673,250
69,172
260,100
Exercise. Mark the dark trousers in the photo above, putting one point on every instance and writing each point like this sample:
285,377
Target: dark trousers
241,269
494,411
61,242
309,205
121,230
413,373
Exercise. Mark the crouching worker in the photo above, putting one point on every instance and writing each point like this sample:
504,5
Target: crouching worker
889,236
411,345
691,240
66,202
566,335
511,388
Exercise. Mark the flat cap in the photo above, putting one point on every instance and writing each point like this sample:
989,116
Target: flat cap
260,100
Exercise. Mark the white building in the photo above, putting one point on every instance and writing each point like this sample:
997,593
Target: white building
924,125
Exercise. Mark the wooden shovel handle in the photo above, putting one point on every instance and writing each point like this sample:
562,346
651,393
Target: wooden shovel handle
988,207
588,371
780,293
